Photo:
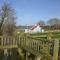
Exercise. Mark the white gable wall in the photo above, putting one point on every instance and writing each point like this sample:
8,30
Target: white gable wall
37,29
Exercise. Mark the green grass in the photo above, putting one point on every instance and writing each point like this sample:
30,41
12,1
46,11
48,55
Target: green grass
43,36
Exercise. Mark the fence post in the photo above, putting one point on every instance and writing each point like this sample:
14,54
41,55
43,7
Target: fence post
56,49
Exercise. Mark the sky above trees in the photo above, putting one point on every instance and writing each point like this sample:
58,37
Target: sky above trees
31,11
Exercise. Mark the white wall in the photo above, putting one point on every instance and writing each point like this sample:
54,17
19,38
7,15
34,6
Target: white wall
37,29
26,30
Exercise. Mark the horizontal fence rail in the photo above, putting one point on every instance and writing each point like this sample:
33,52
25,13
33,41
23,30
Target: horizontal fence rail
39,46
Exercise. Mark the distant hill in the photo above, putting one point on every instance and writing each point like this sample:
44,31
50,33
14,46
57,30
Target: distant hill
23,27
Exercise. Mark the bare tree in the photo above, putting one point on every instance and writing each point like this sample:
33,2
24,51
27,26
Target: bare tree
42,23
8,17
53,21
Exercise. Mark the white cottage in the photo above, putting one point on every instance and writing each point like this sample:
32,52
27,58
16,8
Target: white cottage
35,29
